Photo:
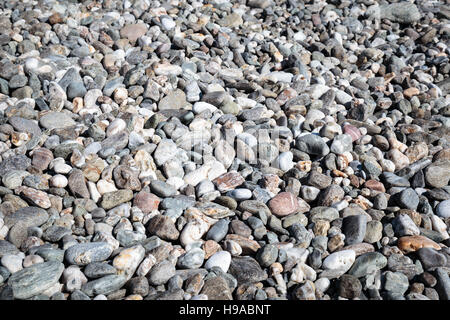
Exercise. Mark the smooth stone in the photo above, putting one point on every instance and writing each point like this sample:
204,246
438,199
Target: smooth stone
128,260
221,259
443,209
341,143
443,283
284,204
12,262
340,261
96,270
85,253
56,120
408,199
160,273
218,231
365,262
162,189
413,243
115,198
312,144
105,285
354,228
192,259
36,279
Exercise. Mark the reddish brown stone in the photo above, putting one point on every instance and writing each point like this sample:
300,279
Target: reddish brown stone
228,181
55,18
375,185
414,243
146,201
354,180
283,204
41,158
163,227
248,246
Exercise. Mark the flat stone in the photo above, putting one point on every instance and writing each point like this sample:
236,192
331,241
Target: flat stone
17,162
228,181
246,269
77,184
105,285
114,198
56,120
36,279
413,243
133,32
85,253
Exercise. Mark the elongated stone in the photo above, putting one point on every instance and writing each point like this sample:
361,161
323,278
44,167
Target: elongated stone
85,253
36,279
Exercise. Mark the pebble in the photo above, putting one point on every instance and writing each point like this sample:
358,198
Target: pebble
85,253
35,279
395,282
161,273
413,243
443,209
221,259
367,263
339,262
283,204
128,260
168,151
354,228
246,269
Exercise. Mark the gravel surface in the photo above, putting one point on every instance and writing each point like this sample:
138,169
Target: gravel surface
232,150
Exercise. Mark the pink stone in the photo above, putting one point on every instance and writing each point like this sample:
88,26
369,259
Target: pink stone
133,31
38,197
352,131
284,204
228,181
146,201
